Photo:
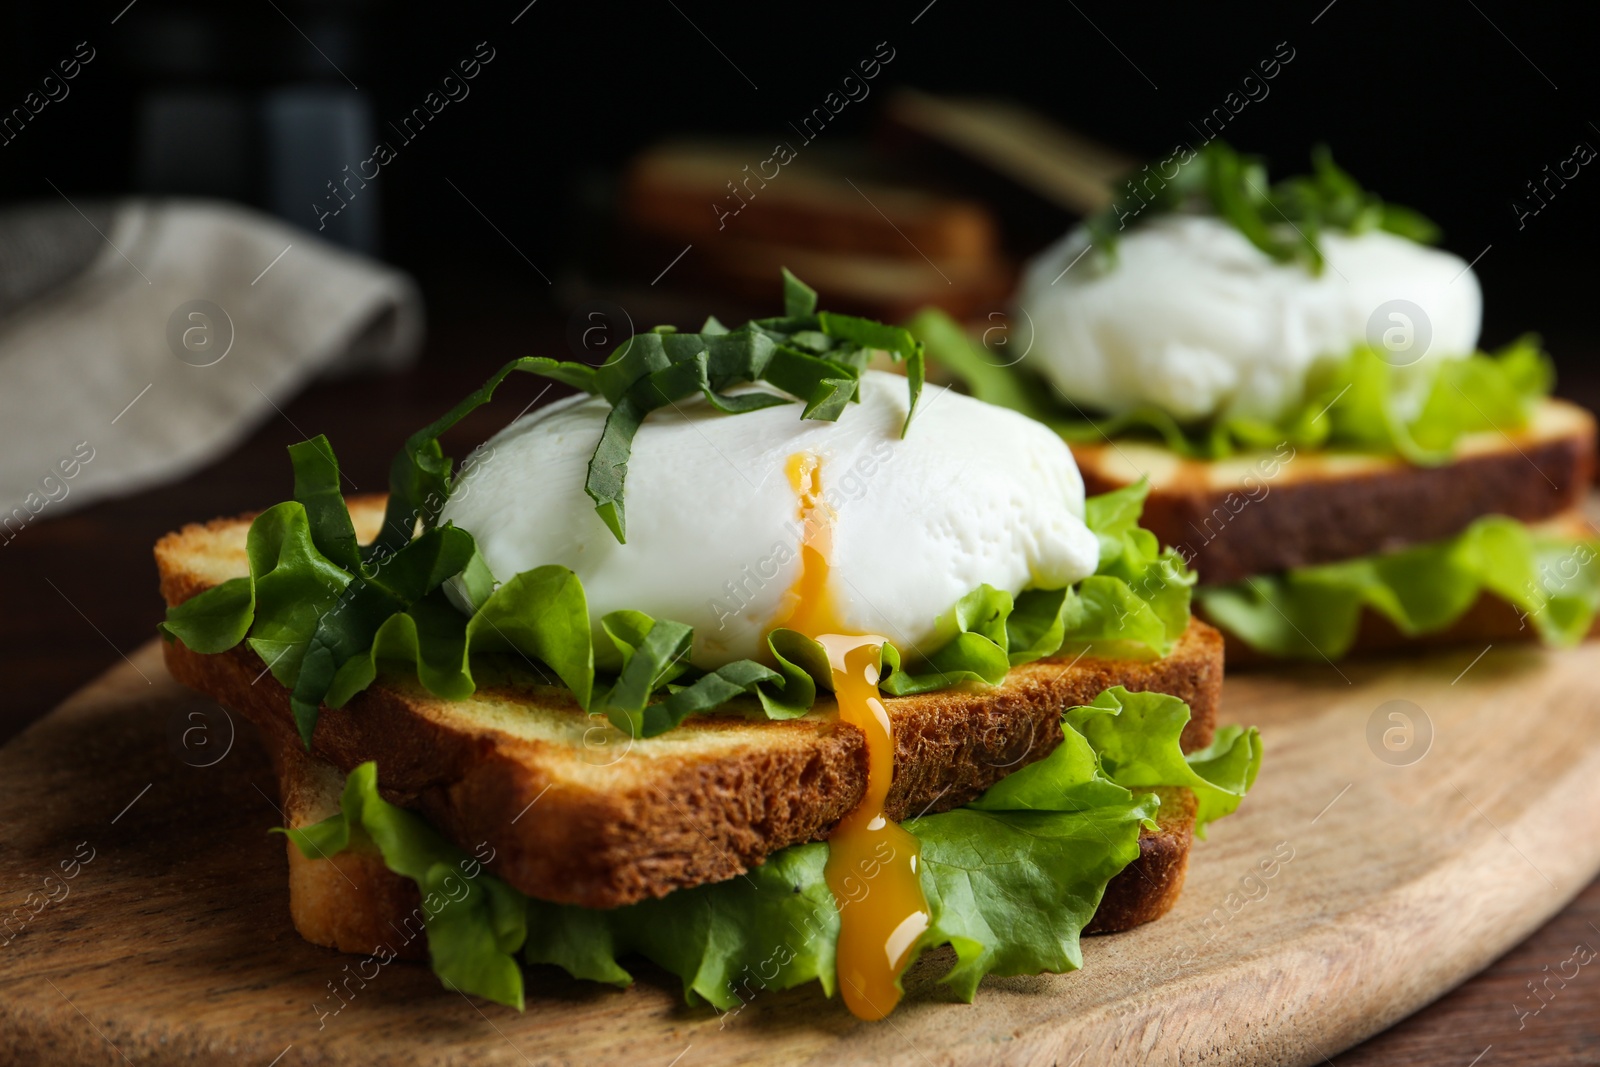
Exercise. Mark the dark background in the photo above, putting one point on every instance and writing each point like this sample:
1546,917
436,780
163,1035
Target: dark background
1429,104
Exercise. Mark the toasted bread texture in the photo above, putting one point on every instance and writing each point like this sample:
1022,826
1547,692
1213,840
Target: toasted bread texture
353,903
1261,512
580,813
1147,888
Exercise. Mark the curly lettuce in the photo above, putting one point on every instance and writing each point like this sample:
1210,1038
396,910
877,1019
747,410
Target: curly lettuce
1135,606
1011,878
1315,612
1360,403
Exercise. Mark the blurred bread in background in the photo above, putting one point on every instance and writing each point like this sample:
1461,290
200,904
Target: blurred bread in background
1037,175
874,243
938,208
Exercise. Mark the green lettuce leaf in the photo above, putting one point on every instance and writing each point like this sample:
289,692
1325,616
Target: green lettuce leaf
977,653
773,928
316,487
1011,891
644,685
420,474
540,615
1358,403
1135,736
1315,612
475,923
1011,878
379,591
290,587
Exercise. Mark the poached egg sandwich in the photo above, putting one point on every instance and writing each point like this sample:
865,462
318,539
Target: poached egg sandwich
1295,374
669,672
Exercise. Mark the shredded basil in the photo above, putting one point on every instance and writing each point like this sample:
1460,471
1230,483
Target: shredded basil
814,356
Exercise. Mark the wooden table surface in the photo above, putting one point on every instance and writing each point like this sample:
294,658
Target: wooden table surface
79,591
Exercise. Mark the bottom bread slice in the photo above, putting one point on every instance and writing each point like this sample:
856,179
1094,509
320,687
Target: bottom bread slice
353,903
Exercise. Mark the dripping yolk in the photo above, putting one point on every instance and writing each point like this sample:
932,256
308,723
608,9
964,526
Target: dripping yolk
873,862
813,610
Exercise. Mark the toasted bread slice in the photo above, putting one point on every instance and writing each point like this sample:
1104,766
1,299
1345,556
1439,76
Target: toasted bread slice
350,901
353,903
579,813
1257,513
1489,620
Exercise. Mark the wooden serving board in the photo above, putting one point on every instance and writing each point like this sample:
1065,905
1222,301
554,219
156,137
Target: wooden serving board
1347,892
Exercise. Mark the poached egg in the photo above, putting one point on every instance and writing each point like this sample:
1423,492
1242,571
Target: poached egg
720,508
1194,319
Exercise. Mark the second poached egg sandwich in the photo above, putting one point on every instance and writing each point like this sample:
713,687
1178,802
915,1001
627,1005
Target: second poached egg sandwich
1194,320
1294,372
882,679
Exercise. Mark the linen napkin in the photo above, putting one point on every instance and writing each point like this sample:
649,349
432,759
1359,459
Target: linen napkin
140,339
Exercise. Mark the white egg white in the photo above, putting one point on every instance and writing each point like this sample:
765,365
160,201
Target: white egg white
972,494
1194,319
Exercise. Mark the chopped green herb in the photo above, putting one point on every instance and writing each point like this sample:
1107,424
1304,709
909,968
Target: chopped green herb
1284,220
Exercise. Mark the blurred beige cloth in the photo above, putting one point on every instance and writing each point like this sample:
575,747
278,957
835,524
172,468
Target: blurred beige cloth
140,339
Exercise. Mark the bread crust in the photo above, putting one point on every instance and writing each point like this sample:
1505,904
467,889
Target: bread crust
510,768
1147,888
1324,507
350,901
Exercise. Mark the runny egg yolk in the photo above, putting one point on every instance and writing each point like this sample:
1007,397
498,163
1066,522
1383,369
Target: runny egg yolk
872,862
